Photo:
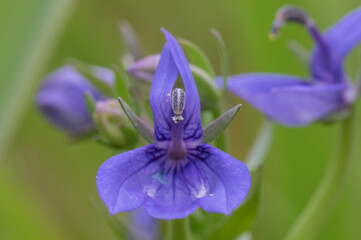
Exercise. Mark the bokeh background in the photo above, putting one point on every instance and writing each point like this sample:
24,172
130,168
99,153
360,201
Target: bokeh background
47,185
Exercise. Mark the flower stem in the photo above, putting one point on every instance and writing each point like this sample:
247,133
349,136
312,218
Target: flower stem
178,229
315,213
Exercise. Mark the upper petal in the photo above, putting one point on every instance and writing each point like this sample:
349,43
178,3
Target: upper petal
289,100
61,99
340,39
223,181
172,61
192,110
160,95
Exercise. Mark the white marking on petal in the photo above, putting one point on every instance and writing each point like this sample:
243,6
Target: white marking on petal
151,191
202,192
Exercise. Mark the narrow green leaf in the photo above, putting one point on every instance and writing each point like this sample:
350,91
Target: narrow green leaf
139,125
86,70
260,147
216,127
208,92
90,103
224,58
196,56
121,85
28,39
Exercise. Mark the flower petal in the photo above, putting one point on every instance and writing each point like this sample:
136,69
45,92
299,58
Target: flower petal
61,99
131,179
144,68
160,95
104,74
171,198
124,180
168,189
191,113
143,226
225,180
289,100
340,40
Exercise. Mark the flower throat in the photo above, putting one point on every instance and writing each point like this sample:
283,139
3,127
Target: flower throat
177,148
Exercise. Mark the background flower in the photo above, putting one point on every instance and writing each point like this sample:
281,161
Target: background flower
296,101
61,98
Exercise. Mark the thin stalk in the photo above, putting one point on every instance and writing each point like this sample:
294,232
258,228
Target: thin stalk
178,229
315,213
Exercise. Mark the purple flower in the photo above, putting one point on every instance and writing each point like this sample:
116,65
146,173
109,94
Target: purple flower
144,68
142,226
294,101
61,98
178,173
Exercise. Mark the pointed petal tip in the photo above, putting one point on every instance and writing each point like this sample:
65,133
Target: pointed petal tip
164,30
112,212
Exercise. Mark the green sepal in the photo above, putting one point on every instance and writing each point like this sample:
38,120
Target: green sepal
87,71
144,130
215,128
89,103
224,58
121,84
196,56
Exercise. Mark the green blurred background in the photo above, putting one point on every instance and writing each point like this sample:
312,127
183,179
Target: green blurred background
47,186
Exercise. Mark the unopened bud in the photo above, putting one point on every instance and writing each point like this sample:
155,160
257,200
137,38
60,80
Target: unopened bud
113,124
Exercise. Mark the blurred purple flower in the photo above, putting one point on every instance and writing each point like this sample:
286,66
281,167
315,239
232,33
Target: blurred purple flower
145,68
143,226
295,101
179,173
61,98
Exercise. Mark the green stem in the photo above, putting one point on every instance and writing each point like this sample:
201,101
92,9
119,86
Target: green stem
178,229
311,219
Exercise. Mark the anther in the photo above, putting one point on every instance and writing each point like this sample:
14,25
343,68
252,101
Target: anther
178,101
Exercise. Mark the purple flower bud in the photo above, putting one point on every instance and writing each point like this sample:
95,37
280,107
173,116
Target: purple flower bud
113,125
60,98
